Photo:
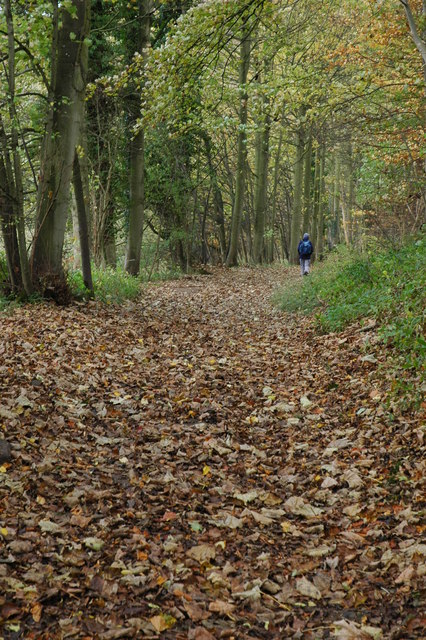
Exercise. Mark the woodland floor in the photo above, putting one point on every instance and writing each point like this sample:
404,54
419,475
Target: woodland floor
199,465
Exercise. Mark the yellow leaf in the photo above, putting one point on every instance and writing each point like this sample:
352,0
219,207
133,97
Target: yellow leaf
206,470
40,500
3,469
3,532
286,526
36,610
162,622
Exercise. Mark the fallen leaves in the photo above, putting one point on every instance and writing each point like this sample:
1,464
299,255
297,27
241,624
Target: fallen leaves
299,507
306,588
202,553
197,465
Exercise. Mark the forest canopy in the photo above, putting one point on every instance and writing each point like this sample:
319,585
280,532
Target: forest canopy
151,132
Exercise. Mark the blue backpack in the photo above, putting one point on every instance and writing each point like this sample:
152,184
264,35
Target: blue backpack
305,249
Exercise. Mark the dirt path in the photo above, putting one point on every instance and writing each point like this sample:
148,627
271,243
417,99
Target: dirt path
198,465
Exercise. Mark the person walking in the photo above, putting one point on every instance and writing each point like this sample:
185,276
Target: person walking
305,250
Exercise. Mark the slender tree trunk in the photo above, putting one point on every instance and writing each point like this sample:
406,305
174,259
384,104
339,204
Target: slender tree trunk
137,160
68,85
85,178
307,186
261,187
274,193
232,257
109,249
18,190
9,233
319,242
336,199
296,219
317,195
83,227
418,39
76,252
418,35
217,196
347,194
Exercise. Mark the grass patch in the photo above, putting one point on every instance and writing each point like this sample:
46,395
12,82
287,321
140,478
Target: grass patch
388,285
114,286
111,285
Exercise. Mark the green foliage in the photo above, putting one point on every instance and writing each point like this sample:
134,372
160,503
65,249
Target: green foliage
111,286
388,285
115,286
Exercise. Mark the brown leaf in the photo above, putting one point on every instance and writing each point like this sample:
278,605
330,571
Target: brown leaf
195,612
202,553
221,607
200,633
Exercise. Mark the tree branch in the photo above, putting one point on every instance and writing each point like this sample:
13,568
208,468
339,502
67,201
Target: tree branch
420,44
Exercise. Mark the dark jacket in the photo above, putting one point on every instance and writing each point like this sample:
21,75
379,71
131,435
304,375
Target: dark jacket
310,249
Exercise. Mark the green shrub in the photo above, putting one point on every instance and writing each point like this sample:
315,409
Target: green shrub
388,285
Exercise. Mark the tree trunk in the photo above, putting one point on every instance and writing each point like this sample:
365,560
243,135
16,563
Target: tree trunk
335,232
419,40
18,190
261,185
307,186
296,219
68,85
232,257
217,196
83,228
274,193
347,195
317,195
319,242
137,160
9,233
109,250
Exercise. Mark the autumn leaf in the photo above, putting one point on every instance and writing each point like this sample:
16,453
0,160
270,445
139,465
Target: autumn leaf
162,622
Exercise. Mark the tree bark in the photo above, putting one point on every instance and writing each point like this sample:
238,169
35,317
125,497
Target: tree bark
417,38
137,161
18,190
317,195
261,184
319,242
83,227
296,219
274,193
68,83
217,196
336,199
347,194
232,257
307,186
9,233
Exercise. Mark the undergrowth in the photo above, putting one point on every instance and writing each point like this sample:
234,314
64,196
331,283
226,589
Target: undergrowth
385,284
114,286
110,285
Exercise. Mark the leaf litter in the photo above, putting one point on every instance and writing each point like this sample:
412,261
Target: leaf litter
200,465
